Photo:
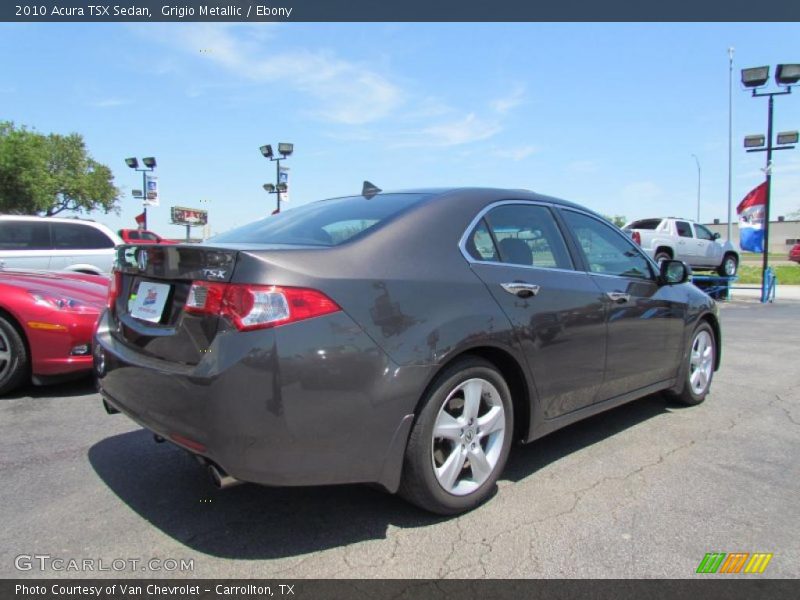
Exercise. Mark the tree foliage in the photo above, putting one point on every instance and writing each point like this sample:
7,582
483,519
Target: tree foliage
618,220
47,174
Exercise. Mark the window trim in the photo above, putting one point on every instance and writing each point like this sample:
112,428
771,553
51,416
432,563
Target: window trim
653,267
462,243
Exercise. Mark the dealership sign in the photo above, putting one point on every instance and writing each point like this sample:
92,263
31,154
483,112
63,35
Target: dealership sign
152,190
189,216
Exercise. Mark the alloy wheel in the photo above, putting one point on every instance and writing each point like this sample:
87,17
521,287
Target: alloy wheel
468,436
701,362
5,354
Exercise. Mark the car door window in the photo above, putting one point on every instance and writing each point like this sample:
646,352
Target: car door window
133,235
24,235
703,233
606,251
73,236
527,235
684,229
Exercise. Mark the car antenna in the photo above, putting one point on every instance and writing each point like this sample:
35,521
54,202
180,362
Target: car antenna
370,190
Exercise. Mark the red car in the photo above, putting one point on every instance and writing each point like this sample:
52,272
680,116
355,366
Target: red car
46,324
142,236
794,253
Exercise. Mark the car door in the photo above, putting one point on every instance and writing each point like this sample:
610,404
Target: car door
25,244
644,319
709,251
558,314
76,245
686,249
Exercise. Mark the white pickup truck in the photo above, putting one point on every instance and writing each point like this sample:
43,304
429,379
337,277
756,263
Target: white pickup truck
685,240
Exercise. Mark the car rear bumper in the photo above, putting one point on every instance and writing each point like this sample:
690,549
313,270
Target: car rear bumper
315,402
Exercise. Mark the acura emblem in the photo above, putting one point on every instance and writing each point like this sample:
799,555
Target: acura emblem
141,259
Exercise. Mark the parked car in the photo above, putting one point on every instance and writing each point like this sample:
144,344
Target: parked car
444,325
794,253
681,239
142,236
46,325
56,244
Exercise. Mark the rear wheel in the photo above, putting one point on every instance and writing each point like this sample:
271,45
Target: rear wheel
661,256
460,441
729,266
700,370
13,357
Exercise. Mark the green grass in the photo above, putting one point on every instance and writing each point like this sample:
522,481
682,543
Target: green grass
786,274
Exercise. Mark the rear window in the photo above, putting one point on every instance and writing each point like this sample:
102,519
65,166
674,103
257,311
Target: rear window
324,223
645,224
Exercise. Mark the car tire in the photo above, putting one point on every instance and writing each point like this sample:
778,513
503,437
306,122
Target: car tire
699,370
14,362
729,266
470,403
661,256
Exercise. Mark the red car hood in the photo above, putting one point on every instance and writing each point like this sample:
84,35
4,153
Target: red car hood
91,289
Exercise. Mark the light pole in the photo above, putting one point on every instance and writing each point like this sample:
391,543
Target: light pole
730,141
285,150
697,160
754,78
149,166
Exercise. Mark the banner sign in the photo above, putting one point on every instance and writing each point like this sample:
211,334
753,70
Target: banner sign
189,216
152,190
283,178
751,211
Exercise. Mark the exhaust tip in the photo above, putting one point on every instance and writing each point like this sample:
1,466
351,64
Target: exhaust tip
221,479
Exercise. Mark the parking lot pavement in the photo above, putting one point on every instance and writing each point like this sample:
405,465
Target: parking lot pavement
642,491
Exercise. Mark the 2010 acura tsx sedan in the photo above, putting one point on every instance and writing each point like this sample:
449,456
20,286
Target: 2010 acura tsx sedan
405,339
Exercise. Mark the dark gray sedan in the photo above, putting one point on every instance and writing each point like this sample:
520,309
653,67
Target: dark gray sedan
403,338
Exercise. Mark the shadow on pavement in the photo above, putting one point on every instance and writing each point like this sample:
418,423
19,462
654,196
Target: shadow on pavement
82,386
169,489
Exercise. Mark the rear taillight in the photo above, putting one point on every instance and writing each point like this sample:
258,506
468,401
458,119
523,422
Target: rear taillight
251,307
114,287
637,237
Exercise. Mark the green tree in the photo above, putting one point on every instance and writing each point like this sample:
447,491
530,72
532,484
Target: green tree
618,220
47,174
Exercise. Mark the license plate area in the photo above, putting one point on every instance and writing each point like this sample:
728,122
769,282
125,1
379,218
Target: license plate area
148,301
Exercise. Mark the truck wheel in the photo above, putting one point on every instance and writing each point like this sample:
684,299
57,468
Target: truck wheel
729,266
661,256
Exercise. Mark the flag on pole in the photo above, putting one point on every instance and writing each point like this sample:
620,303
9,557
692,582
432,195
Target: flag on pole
751,211
140,220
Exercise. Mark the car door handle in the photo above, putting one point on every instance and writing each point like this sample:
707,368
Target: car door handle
521,289
618,297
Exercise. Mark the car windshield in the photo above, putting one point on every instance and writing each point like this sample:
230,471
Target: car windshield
324,223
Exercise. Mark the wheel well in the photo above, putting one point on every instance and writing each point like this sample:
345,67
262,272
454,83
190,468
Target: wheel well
665,250
712,321
511,371
16,325
731,253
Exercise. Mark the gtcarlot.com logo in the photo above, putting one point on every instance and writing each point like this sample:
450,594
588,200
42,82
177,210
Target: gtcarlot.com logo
46,562
735,562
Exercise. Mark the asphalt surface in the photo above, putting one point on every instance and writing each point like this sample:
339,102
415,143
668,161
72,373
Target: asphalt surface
645,490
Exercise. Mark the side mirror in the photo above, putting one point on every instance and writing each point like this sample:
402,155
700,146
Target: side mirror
673,272
716,235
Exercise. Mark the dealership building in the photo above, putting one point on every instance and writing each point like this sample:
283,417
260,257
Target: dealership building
783,233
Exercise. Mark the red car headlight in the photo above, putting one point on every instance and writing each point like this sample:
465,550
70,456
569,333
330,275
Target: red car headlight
63,303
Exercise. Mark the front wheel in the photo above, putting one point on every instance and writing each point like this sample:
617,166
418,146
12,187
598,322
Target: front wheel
13,357
729,266
460,440
700,368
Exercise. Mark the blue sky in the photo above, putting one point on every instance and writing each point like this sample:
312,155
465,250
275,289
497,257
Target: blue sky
607,115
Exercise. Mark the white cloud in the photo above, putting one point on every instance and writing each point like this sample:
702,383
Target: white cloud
346,92
515,153
584,167
109,103
510,101
454,132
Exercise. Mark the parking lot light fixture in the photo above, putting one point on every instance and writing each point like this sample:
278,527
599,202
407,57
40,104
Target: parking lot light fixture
787,137
285,150
755,77
754,141
787,74
149,164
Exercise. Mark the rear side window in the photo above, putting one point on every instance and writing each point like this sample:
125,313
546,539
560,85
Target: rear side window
324,223
645,224
24,235
480,244
527,235
684,229
74,236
